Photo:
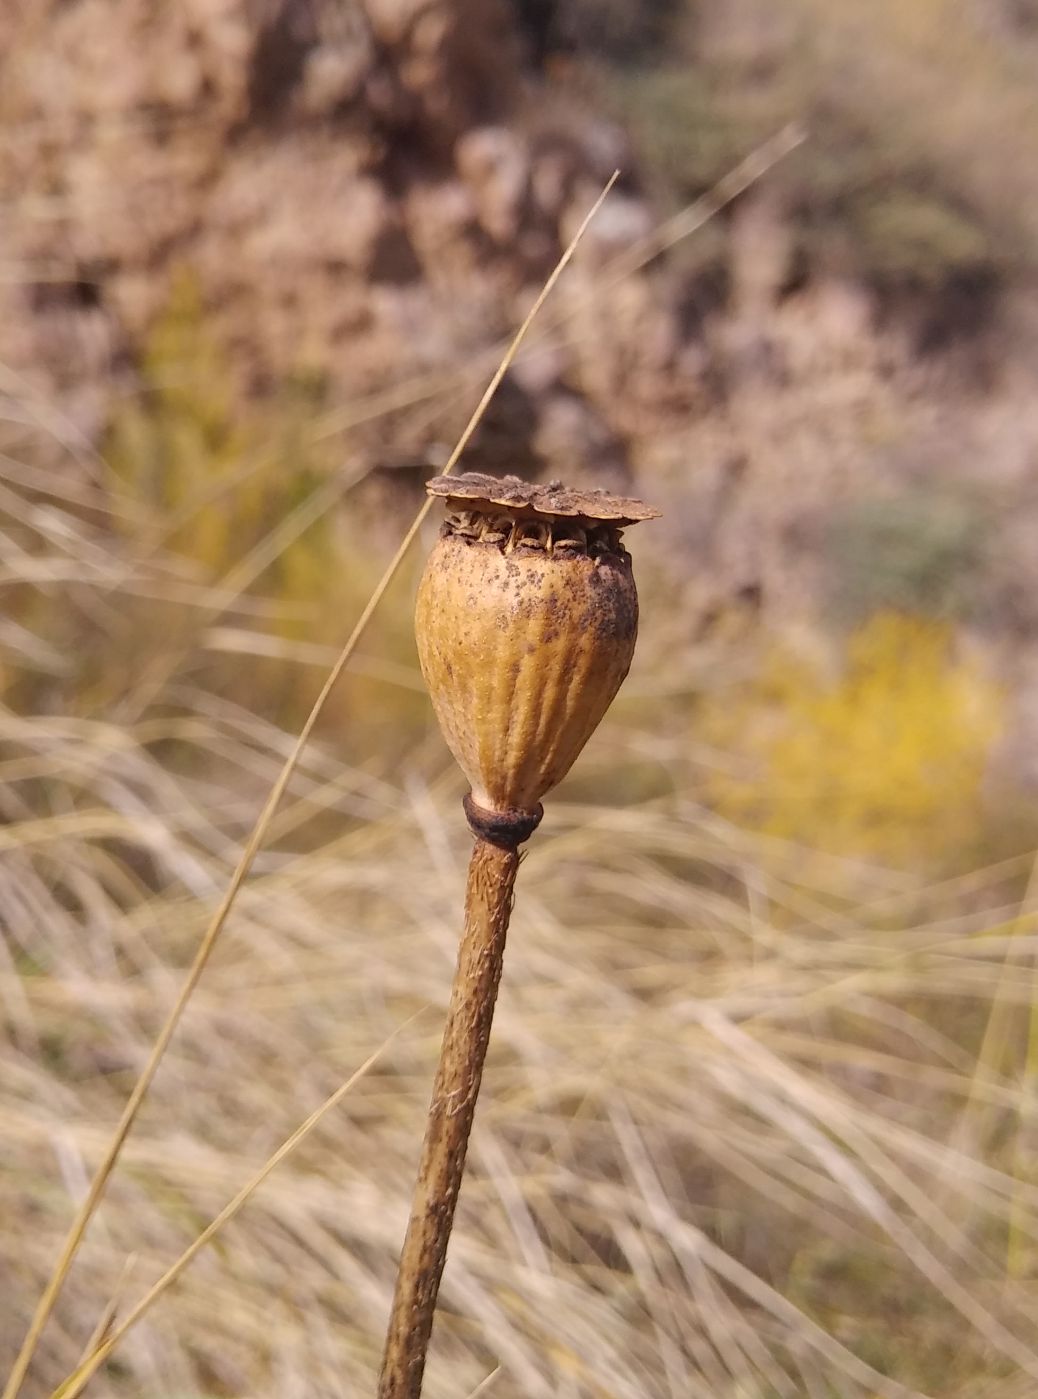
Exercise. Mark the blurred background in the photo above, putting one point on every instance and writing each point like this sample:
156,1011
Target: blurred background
759,1116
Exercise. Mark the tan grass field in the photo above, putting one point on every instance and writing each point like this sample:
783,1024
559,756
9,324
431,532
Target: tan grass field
759,1116
756,1122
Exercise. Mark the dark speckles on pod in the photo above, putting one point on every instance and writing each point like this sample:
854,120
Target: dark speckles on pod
526,622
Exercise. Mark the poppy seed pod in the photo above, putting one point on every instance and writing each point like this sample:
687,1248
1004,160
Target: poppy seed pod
526,620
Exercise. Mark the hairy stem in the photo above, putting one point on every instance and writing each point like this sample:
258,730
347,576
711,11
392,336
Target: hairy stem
488,904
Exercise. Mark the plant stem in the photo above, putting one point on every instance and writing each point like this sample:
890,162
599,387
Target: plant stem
488,904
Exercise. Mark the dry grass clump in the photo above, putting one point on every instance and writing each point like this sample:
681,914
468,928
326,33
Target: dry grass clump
734,1141
745,1132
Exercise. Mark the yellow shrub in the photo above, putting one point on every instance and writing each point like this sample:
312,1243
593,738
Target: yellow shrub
886,760
216,479
177,448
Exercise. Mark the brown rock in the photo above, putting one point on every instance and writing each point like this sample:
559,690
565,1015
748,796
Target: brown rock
495,165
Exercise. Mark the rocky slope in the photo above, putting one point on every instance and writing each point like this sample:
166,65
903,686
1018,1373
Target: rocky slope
365,193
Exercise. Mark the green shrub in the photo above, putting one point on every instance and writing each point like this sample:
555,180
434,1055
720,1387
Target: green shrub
907,236
914,553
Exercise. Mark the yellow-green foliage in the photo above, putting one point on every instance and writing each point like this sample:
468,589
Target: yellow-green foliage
207,475
217,480
905,234
886,759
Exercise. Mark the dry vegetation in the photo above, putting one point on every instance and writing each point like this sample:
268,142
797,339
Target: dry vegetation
758,1120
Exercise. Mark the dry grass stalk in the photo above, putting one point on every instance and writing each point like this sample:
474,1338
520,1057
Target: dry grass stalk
526,622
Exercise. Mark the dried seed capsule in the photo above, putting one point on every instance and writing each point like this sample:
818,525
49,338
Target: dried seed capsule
526,623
